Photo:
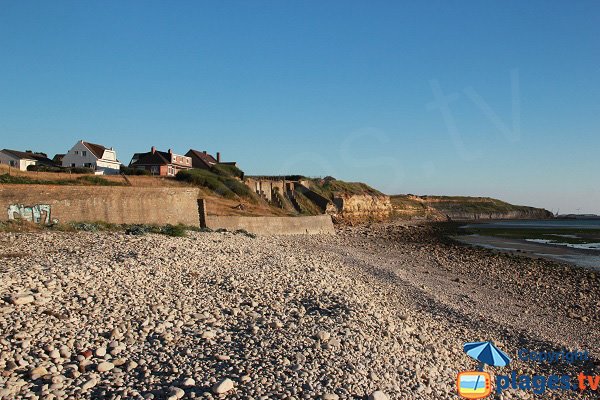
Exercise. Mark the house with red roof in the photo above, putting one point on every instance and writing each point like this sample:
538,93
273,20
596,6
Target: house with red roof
163,163
103,160
203,160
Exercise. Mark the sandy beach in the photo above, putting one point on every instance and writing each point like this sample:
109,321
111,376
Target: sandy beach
378,312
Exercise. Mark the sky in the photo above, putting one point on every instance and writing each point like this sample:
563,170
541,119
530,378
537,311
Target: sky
487,98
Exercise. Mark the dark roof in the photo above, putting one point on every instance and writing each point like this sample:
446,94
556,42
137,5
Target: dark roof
150,158
39,157
20,154
205,157
97,149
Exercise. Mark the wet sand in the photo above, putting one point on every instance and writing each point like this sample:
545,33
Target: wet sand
579,257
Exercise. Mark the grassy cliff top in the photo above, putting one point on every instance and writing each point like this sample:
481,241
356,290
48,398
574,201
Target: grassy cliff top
465,204
330,188
85,180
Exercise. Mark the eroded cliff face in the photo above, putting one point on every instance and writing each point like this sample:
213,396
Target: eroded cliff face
533,213
444,208
358,208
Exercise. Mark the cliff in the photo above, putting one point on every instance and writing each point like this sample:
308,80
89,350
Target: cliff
351,202
356,208
462,208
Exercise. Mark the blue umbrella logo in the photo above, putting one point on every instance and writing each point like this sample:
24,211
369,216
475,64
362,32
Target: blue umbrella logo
477,385
486,353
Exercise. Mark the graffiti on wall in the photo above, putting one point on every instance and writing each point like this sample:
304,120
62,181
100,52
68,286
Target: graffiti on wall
40,213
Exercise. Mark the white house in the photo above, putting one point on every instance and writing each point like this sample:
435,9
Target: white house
23,159
89,155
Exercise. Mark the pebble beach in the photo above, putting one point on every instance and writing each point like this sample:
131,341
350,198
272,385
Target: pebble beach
373,312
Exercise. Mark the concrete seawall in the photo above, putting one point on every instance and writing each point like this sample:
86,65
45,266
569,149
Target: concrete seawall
320,224
119,205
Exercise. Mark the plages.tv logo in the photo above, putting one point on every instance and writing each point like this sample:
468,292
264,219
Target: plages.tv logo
478,384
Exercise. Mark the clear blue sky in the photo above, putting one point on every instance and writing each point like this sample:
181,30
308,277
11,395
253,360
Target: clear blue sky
344,88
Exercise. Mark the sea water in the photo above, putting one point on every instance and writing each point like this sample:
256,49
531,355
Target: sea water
582,254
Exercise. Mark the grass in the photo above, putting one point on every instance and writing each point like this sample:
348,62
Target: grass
135,171
460,204
96,181
223,185
307,206
331,187
169,230
87,180
98,226
472,204
227,170
68,170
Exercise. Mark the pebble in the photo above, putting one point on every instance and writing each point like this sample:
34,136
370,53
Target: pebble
105,366
216,315
21,299
90,383
38,372
188,382
223,386
209,334
378,395
176,393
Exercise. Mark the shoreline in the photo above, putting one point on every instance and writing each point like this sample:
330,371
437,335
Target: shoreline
582,258
552,301
376,307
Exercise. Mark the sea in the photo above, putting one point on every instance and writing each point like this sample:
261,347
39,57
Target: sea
573,241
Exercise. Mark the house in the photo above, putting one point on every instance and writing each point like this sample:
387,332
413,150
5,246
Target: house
160,162
57,159
23,159
203,160
89,155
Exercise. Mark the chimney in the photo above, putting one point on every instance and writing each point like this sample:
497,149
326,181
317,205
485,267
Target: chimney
204,152
170,151
29,151
153,149
218,157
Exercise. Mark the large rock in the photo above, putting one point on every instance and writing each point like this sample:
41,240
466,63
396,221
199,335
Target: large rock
378,395
223,386
20,299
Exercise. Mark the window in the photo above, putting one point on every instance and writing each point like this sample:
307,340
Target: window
72,164
76,152
84,153
12,163
87,165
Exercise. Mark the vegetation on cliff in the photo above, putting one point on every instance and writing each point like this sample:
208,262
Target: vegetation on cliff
330,187
221,181
86,180
462,207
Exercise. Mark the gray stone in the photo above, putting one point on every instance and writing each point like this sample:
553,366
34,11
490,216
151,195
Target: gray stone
223,386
